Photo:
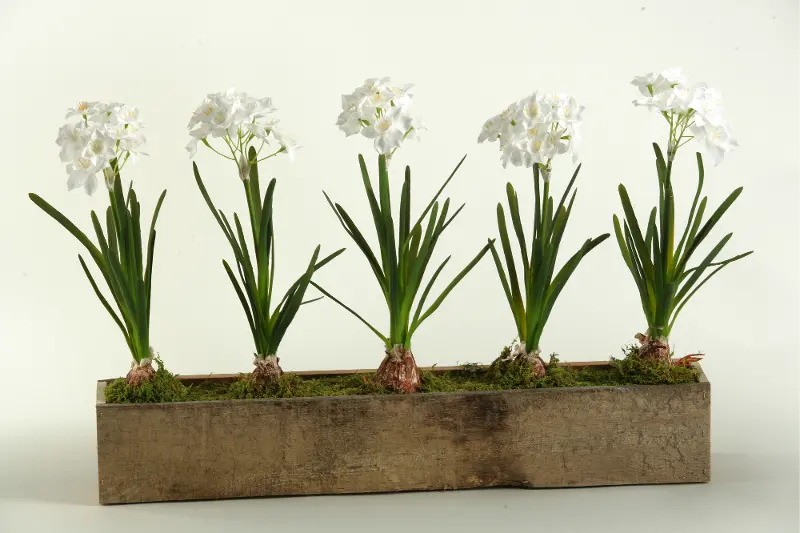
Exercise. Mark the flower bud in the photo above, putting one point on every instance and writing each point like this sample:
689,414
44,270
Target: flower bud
109,175
244,167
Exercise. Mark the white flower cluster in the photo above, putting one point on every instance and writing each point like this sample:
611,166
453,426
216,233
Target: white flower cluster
103,133
696,109
379,110
535,129
239,120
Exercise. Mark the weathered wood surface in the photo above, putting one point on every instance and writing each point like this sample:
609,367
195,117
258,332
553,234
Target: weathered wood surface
355,444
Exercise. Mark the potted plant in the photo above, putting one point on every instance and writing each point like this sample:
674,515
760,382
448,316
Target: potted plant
660,268
242,126
96,144
518,422
380,110
531,133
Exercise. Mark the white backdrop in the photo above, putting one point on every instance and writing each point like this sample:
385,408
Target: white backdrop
467,63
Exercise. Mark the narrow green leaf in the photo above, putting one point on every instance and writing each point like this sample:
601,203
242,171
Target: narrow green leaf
105,303
690,222
519,315
636,232
509,256
254,196
432,309
688,296
370,326
405,208
698,271
708,226
361,242
214,211
70,227
242,300
516,221
439,192
428,288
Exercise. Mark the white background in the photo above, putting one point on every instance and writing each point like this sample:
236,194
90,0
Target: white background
467,61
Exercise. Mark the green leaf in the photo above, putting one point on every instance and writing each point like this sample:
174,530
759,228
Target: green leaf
564,274
428,288
370,326
698,271
569,187
516,221
105,302
721,263
652,233
453,216
242,299
688,297
626,255
641,248
70,227
691,222
519,315
377,216
293,303
405,208
512,269
439,192
322,262
112,236
264,245
708,226
214,211
355,234
254,194
432,309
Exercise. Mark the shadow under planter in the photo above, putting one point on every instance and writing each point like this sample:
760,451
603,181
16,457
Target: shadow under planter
551,437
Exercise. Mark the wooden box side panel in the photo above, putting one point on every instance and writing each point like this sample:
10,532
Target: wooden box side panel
533,438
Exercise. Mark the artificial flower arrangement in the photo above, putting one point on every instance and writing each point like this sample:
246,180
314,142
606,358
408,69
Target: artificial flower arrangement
661,270
531,133
99,141
313,425
241,124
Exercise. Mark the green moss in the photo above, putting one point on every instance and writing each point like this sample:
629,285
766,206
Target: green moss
511,374
164,387
634,370
505,375
293,386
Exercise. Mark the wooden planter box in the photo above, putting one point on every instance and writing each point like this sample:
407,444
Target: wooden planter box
559,437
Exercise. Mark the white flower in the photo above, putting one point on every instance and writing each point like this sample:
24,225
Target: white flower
690,110
127,115
100,149
680,97
191,147
707,104
241,121
85,108
491,129
102,134
288,144
535,130
717,140
82,173
388,131
380,110
72,138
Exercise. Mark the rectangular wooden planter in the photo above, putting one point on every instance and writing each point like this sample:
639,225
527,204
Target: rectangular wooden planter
559,437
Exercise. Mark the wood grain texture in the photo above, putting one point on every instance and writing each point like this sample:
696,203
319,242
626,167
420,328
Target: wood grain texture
355,444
